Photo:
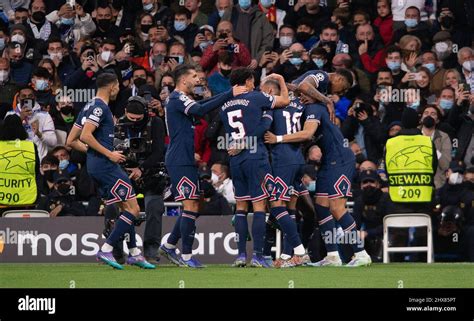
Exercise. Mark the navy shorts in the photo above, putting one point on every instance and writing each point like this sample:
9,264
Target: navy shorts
252,180
113,181
287,182
335,181
184,182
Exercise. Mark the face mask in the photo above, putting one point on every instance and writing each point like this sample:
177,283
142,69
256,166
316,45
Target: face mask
41,84
204,45
64,188
455,179
441,47
66,110
54,55
302,36
411,23
226,72
104,24
221,13
2,43
107,56
139,82
48,175
311,187
214,179
428,122
431,67
3,75
245,4
67,21
266,3
39,16
447,22
468,65
446,104
63,164
18,38
318,62
286,41
145,28
371,195
148,7
414,105
180,25
360,158
296,61
394,65
180,59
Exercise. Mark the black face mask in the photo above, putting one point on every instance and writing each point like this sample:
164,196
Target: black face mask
302,36
104,24
469,185
428,122
371,195
139,82
447,22
39,16
48,175
360,158
145,28
226,72
314,163
16,63
66,110
64,188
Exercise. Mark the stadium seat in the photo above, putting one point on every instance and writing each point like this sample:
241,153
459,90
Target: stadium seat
25,214
407,221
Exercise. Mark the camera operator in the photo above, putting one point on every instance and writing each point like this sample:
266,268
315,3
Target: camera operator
141,138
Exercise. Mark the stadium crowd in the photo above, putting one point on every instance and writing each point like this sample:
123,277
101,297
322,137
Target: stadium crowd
403,54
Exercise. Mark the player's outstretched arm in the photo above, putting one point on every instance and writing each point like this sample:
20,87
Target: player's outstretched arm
283,99
306,134
205,106
74,142
88,138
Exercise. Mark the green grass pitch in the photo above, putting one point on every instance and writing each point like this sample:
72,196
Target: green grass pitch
394,275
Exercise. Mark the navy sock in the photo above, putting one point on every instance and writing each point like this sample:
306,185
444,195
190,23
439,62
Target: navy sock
241,230
349,226
287,248
327,225
123,225
258,232
187,228
287,225
175,233
132,238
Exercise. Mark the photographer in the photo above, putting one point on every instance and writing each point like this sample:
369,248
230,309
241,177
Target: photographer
144,136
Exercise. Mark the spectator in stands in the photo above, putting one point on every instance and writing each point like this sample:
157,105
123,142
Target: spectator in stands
305,33
42,81
384,21
452,78
216,16
38,26
106,29
197,16
214,203
219,81
410,47
222,182
310,9
443,48
45,181
286,37
184,28
273,13
225,43
341,17
20,68
48,64
370,54
344,60
63,117
426,12
431,62
466,61
162,15
294,62
65,163
393,60
413,27
8,87
329,40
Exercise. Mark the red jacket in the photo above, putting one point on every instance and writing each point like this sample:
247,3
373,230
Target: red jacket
241,57
373,64
385,26
202,146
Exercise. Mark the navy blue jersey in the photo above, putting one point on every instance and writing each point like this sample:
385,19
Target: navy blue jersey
331,140
179,112
241,117
321,78
80,119
287,121
99,114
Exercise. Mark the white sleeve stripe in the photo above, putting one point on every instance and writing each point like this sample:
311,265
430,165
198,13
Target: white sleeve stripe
268,116
273,102
315,79
187,108
95,118
92,122
311,120
77,125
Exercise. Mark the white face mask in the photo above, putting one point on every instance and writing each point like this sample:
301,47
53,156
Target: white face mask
214,179
18,38
286,41
455,179
3,75
107,56
468,65
54,55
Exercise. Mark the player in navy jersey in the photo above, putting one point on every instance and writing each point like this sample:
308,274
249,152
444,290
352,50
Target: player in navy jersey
287,160
333,182
103,166
317,84
180,112
250,169
73,140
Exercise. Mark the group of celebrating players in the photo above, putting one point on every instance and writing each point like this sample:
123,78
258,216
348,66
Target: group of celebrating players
280,114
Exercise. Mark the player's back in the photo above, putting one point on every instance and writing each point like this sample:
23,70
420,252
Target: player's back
98,113
331,141
287,121
241,117
180,130
320,77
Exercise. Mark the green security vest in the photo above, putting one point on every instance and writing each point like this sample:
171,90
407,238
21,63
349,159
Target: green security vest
17,173
409,165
